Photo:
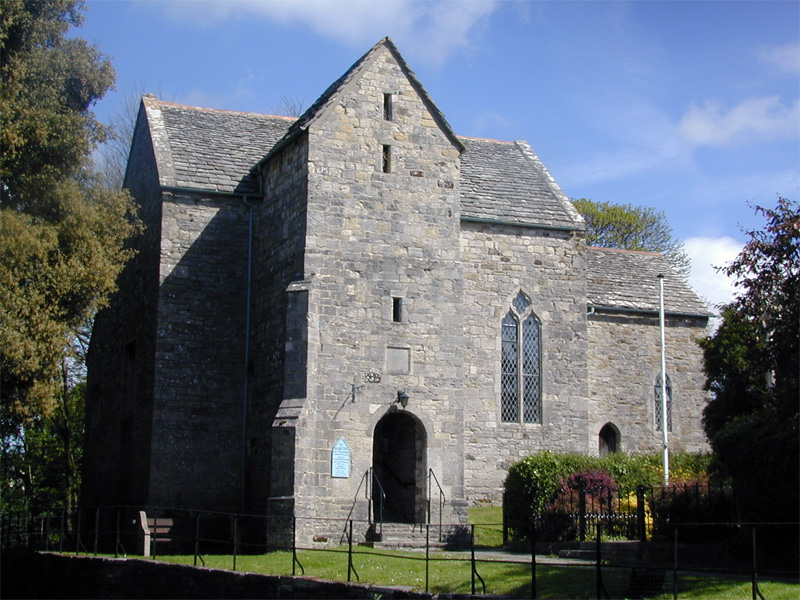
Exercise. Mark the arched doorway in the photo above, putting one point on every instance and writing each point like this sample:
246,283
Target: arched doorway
398,460
609,439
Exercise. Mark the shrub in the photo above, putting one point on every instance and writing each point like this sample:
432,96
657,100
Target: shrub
694,502
533,482
628,471
539,485
594,483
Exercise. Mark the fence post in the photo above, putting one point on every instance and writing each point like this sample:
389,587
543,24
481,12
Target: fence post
505,521
96,529
116,545
756,593
196,537
63,530
472,555
78,536
349,550
154,552
235,540
294,546
266,533
582,513
427,555
640,513
534,594
675,566
599,558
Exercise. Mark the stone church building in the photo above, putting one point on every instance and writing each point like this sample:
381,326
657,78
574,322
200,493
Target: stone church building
362,290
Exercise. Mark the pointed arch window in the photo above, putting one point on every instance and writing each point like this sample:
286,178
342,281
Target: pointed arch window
657,399
520,364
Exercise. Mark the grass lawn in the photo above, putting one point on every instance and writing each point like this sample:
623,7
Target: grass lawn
451,573
488,521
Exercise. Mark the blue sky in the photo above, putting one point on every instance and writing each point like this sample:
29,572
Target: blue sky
690,107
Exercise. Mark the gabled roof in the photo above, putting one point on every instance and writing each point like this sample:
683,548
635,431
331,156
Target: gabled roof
215,150
209,149
328,99
628,280
506,182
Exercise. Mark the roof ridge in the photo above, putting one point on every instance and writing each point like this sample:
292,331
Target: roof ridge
153,100
626,250
483,139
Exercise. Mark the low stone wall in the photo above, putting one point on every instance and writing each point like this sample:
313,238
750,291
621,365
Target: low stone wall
43,575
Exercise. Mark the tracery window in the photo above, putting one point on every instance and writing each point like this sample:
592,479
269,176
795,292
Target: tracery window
657,403
520,364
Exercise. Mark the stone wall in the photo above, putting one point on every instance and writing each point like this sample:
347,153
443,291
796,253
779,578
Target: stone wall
278,263
498,262
374,239
120,364
199,358
59,576
624,362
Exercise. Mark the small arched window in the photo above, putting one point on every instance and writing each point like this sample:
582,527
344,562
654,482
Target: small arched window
521,381
657,403
609,439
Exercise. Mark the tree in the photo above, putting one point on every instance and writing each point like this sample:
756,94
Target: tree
752,365
632,227
62,233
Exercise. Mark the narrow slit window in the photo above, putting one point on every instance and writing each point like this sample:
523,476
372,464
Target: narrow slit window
387,158
397,310
387,107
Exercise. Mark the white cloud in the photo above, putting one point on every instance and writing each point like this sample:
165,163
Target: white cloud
754,119
785,59
706,253
425,30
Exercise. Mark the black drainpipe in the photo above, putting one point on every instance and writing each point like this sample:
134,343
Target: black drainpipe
247,350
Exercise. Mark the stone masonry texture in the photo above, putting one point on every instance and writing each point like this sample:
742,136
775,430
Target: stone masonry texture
298,276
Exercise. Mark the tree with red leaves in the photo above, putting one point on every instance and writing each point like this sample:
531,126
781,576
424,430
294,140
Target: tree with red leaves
752,365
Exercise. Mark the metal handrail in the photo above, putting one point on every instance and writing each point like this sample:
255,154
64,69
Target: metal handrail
355,501
375,479
442,500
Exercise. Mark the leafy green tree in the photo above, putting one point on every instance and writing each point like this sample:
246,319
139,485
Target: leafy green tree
62,236
752,365
632,227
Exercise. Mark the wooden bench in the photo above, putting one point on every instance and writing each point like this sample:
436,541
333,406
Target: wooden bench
155,530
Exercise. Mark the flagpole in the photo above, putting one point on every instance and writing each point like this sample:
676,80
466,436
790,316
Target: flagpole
664,435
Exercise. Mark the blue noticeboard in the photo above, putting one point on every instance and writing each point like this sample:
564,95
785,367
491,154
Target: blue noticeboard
340,460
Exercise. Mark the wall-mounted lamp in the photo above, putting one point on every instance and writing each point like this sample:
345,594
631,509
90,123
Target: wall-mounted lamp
402,398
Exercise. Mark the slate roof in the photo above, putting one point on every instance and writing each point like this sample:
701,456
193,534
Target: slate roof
215,150
208,149
212,149
629,280
506,181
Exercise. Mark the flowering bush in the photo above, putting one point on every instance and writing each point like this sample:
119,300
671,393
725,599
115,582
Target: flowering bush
545,486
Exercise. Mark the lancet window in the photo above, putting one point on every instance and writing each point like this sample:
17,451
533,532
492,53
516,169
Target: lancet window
521,365
657,402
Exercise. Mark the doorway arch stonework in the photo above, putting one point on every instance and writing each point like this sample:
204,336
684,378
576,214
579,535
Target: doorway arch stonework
399,462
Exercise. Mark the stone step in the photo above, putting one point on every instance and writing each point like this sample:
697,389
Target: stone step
620,551
409,535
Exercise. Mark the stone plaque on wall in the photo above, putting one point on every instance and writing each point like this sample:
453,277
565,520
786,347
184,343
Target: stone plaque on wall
398,360
340,460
